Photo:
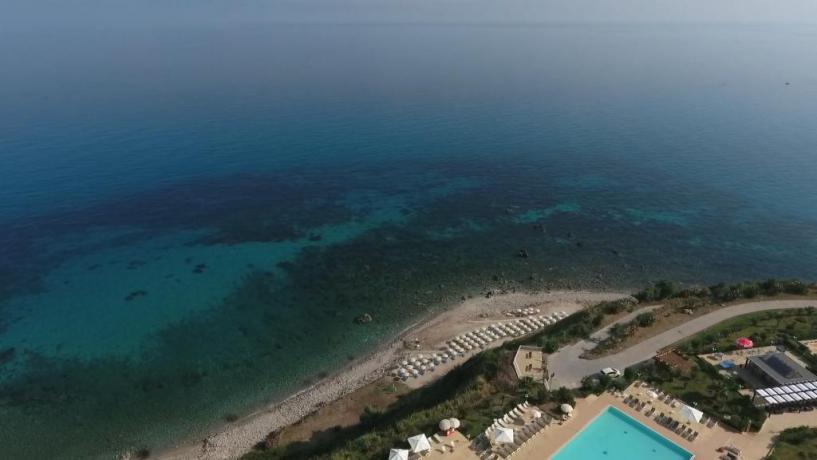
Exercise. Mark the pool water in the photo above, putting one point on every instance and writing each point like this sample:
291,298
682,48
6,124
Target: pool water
614,435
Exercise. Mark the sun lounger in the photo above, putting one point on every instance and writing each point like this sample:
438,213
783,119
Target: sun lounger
675,424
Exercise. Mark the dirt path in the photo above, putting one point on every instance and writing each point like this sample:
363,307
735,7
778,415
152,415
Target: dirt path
569,368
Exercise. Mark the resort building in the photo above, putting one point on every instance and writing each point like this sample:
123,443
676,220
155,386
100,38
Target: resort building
529,362
778,369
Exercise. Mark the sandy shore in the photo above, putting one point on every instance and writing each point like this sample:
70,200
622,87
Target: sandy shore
239,437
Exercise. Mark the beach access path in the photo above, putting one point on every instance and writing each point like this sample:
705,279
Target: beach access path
569,368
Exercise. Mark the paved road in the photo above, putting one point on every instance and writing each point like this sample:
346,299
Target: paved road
570,369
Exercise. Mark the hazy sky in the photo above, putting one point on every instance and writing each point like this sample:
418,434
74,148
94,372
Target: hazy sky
26,13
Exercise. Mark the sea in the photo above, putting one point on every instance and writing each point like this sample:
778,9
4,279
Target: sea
193,215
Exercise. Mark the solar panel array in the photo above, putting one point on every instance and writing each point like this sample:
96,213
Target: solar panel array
787,394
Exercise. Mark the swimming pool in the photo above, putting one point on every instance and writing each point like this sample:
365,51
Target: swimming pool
614,435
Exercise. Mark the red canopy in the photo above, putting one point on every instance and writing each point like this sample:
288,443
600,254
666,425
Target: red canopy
745,342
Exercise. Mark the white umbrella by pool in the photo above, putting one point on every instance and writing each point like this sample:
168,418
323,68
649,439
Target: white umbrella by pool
419,443
690,414
652,394
537,414
566,408
445,425
503,435
398,454
455,422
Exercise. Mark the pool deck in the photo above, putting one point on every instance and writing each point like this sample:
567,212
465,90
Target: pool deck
704,447
549,440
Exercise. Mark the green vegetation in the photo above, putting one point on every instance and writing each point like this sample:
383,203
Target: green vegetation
703,387
764,328
716,394
723,293
796,444
621,331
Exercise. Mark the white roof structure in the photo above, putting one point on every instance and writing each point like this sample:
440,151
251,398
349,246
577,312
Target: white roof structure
419,443
799,392
690,414
398,454
503,435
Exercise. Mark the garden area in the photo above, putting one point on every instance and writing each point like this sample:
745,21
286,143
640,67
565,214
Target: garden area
780,327
796,444
710,392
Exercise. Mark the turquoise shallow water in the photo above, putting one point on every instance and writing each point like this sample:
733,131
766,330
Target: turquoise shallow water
185,209
614,435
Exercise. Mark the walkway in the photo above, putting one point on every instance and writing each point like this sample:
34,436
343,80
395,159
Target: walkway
570,369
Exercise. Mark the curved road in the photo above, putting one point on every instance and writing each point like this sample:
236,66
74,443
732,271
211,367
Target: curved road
570,369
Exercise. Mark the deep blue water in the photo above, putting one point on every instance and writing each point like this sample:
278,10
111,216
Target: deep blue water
184,210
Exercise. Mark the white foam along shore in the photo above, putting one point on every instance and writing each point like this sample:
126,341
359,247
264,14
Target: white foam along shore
239,437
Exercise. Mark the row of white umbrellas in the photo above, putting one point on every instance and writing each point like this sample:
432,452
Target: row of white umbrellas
418,365
529,311
414,366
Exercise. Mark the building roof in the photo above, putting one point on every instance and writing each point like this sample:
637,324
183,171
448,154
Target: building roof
782,369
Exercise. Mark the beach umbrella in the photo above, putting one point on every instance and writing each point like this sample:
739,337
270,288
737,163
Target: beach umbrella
445,425
455,423
690,414
652,394
398,454
419,443
503,435
566,408
745,342
537,414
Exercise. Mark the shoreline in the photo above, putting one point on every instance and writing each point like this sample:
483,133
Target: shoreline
235,439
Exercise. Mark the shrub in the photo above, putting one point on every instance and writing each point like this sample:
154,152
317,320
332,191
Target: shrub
797,435
645,319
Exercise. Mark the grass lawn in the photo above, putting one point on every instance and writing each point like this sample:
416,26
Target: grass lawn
764,328
796,444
